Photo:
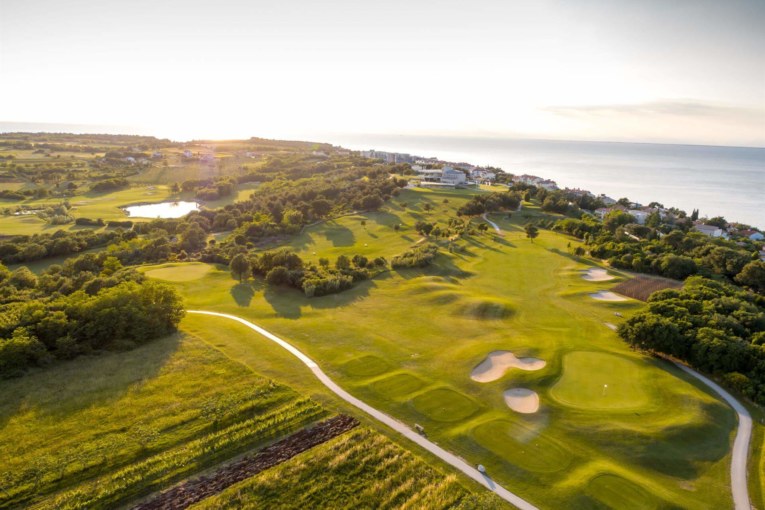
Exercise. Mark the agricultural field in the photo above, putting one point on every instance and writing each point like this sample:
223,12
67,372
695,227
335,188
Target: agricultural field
610,421
101,431
361,469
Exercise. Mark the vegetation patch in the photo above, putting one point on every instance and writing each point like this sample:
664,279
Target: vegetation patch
361,469
617,492
517,443
601,381
444,405
398,385
101,431
365,366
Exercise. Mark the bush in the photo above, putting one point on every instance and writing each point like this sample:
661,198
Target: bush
419,256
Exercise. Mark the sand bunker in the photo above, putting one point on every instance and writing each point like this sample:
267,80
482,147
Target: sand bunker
611,326
522,400
597,275
498,362
605,295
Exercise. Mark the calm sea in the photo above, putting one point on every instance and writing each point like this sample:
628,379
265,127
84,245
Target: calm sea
719,181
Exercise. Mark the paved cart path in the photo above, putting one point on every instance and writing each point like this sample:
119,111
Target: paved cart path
738,471
396,425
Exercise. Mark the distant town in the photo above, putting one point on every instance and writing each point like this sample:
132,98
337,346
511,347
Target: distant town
436,173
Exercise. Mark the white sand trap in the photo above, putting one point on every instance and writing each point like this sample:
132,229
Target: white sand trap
522,400
610,326
606,295
498,362
597,275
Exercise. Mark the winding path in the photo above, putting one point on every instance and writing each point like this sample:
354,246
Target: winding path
738,472
496,227
396,425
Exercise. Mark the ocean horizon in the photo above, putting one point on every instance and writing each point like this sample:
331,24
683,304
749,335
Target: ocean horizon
716,180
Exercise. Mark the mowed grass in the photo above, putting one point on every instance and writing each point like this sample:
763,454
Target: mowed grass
99,431
360,469
597,380
179,273
428,329
106,206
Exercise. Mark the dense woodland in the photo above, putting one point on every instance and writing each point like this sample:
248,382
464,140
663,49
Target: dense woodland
714,326
89,303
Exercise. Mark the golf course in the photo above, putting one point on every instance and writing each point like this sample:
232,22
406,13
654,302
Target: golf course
569,415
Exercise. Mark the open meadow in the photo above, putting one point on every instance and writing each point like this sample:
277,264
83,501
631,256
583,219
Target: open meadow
613,427
101,431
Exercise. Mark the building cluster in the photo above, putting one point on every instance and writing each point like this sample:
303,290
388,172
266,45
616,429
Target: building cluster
389,157
534,180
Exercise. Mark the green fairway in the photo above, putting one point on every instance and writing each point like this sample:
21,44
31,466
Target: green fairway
444,404
596,380
179,272
407,341
520,444
617,492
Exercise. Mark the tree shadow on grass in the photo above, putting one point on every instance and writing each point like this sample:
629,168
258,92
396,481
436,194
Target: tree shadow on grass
385,219
58,390
356,293
339,235
284,300
242,293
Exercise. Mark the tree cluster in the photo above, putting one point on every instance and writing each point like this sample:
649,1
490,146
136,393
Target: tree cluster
714,326
88,304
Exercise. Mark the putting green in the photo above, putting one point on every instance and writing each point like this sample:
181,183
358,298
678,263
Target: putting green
444,404
365,366
601,381
520,444
617,492
397,385
180,272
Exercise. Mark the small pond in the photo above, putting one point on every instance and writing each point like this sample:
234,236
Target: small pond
162,209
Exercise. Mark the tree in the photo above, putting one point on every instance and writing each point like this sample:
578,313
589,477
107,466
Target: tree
531,232
321,207
753,275
240,267
278,276
343,262
695,215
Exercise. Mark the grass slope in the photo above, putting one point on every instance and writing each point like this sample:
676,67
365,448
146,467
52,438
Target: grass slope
406,342
105,429
361,469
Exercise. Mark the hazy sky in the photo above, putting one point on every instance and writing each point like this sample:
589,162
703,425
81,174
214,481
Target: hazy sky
664,70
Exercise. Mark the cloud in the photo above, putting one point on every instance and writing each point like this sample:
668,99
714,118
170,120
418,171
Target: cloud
676,108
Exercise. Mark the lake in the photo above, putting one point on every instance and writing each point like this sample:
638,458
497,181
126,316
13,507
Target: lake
162,209
719,181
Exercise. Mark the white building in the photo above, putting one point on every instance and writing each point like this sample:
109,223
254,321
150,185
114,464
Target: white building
451,176
710,230
640,216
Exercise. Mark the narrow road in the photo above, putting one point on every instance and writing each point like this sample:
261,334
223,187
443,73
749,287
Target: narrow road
738,473
396,425
496,227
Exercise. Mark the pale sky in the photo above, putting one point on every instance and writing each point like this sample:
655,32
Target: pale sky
690,71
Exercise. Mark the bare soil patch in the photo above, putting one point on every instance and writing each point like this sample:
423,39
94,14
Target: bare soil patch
642,286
